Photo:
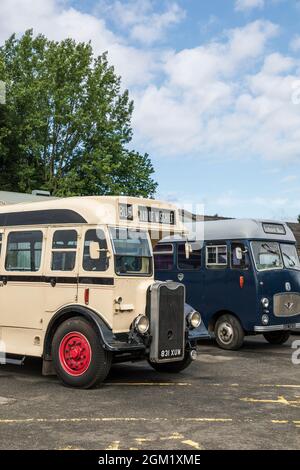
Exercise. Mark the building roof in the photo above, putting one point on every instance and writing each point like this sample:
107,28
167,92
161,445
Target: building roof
8,197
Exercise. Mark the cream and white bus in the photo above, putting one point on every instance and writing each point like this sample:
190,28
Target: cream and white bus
77,287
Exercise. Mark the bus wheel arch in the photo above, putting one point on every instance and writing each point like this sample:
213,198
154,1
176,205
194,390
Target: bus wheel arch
101,329
228,330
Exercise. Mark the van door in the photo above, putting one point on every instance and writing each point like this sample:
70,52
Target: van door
61,269
21,278
189,272
241,284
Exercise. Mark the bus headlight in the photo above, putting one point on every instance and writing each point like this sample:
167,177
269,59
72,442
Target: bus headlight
265,302
194,319
141,324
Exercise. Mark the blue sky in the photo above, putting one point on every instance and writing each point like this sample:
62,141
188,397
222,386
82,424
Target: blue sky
216,86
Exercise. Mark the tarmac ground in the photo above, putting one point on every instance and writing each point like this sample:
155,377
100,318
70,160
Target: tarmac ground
249,399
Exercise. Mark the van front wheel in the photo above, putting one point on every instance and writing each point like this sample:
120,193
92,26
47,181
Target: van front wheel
229,332
78,357
277,337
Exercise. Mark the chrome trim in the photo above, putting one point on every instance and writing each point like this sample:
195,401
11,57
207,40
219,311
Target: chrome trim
286,304
291,326
189,319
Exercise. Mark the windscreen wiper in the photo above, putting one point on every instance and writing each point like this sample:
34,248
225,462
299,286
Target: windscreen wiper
269,250
289,258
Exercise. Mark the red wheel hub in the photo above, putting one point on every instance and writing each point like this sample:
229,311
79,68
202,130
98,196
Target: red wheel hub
75,353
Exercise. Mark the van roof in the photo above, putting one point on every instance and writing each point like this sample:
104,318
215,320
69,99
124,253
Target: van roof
245,229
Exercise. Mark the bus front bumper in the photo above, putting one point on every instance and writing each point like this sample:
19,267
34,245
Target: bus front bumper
263,329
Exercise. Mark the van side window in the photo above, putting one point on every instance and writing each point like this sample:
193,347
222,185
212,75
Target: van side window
236,263
0,242
64,247
163,257
24,251
100,264
216,256
193,262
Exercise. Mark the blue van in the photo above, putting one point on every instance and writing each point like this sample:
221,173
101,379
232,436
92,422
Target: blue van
244,278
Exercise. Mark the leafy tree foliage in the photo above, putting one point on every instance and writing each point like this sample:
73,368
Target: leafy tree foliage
66,124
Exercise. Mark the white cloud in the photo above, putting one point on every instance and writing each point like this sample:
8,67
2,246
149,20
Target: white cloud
57,20
140,20
289,178
228,98
295,43
246,5
211,104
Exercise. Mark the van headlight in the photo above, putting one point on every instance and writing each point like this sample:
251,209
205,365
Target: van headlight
194,319
141,324
265,302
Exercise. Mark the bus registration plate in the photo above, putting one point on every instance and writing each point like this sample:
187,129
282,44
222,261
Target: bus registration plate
170,353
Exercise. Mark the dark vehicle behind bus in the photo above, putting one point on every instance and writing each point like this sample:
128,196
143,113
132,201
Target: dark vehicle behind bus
244,278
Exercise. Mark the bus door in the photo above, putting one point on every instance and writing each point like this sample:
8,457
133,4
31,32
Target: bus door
21,278
61,268
96,271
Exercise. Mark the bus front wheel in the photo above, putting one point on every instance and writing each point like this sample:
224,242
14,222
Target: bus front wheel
277,337
229,332
78,357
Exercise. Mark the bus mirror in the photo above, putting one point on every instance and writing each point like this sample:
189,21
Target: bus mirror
188,250
239,253
94,250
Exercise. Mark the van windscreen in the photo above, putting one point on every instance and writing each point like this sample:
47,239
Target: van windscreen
267,255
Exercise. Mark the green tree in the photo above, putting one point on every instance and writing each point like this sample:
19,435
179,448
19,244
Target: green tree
66,124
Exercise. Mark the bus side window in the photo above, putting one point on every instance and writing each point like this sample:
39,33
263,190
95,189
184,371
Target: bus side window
64,248
216,256
164,257
102,263
239,263
24,251
193,262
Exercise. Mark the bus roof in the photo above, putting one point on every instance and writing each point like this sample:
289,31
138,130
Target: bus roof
245,229
140,213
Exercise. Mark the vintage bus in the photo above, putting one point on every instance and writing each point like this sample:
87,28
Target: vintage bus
244,278
77,287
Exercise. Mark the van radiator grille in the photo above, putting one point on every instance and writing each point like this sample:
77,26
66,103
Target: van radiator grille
286,305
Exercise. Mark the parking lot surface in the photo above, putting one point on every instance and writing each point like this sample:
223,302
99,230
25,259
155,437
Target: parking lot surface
249,399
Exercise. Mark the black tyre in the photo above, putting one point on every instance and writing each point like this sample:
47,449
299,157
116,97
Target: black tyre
172,367
78,357
229,332
277,337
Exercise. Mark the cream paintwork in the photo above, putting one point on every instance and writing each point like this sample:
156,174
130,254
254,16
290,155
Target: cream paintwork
26,308
27,313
